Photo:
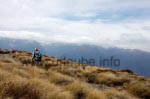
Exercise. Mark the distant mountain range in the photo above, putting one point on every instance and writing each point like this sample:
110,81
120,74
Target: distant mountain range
116,58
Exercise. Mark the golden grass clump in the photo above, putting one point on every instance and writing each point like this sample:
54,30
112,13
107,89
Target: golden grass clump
111,79
5,60
140,89
4,51
18,90
71,71
115,94
32,89
58,78
78,89
95,94
4,75
35,72
25,60
7,76
84,91
108,79
48,64
50,91
8,67
21,72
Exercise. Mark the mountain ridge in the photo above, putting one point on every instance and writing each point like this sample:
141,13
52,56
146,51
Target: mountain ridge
55,80
135,60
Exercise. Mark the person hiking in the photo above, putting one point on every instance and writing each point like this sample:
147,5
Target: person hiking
36,57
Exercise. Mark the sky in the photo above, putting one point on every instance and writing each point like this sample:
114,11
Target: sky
107,23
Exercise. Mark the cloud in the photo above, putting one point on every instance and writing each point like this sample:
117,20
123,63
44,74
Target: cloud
38,8
108,23
80,32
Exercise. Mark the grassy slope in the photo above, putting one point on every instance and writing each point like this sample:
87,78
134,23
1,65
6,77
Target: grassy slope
54,80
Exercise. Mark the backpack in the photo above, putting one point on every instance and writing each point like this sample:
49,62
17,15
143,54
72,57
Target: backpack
37,56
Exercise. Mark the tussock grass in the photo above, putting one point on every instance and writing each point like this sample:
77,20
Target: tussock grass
108,79
5,60
35,72
48,64
19,90
18,87
4,51
24,58
49,90
7,67
4,75
78,89
111,80
71,71
60,81
114,94
140,89
21,73
84,91
58,78
7,76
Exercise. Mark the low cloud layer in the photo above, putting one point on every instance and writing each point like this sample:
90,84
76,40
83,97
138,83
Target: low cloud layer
108,23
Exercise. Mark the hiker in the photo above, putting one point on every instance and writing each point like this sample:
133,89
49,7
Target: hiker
36,57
